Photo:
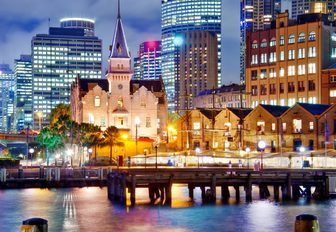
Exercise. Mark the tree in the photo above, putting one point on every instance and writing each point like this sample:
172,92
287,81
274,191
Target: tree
51,139
91,135
111,138
58,111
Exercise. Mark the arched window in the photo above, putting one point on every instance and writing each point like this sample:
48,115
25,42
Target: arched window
263,43
120,103
282,40
301,38
291,39
97,101
273,42
255,44
312,36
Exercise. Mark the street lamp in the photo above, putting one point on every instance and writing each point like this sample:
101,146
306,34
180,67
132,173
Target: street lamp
261,146
247,150
198,150
302,150
137,123
31,151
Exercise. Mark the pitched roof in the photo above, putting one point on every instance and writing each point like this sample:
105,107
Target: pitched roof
210,113
151,85
240,112
223,89
119,44
315,109
276,111
86,84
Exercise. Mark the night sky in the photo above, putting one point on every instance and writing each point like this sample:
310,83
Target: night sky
20,20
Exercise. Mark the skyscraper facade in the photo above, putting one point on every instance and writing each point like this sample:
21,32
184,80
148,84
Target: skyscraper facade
180,16
196,68
255,15
23,74
147,66
58,58
298,7
7,91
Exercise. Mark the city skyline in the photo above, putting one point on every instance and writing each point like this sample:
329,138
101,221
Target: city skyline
19,24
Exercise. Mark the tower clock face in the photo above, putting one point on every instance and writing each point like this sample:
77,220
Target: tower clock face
120,86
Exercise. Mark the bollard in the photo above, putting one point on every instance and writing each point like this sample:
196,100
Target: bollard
20,172
48,174
306,223
100,173
34,224
57,174
84,173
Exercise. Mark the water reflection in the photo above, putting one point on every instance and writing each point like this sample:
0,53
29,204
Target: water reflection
88,209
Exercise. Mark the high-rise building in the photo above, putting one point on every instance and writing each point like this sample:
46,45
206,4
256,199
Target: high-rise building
147,66
58,58
284,64
196,69
87,24
298,7
181,16
7,92
255,15
23,73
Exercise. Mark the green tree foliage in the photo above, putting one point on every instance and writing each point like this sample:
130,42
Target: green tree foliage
91,135
58,111
111,138
51,139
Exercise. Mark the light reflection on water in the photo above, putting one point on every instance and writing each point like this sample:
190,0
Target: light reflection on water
88,209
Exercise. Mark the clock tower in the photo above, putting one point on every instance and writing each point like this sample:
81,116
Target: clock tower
119,69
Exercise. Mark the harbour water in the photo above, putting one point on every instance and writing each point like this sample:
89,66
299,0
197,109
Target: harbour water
88,209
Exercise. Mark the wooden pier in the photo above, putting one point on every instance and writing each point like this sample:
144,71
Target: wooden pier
286,183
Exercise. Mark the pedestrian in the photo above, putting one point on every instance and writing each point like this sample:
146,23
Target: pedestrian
230,164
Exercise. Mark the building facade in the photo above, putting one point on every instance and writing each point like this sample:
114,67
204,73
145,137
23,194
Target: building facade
299,7
232,96
197,67
7,96
181,16
58,58
23,73
138,107
284,64
147,66
255,15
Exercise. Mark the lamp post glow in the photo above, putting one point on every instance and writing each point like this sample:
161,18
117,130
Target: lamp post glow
247,150
137,123
198,150
31,151
261,146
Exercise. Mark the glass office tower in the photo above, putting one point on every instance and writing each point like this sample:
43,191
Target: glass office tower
58,58
148,65
7,91
23,74
181,16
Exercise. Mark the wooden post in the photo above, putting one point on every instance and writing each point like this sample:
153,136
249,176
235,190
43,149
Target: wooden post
248,188
276,192
213,187
133,188
122,190
325,186
191,191
163,194
151,193
110,186
296,192
308,191
237,192
203,192
225,192
286,188
169,190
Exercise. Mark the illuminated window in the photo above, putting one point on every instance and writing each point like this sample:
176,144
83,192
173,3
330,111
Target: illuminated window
197,126
255,44
263,43
97,101
284,126
282,55
332,93
301,54
282,72
312,36
260,127
272,42
273,127
291,70
301,38
291,54
297,125
148,122
302,69
312,52
311,126
291,39
282,40
312,68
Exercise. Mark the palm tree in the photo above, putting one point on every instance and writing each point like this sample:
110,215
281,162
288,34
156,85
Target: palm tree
58,111
51,139
111,138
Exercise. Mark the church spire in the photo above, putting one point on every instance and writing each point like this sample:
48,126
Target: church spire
119,45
